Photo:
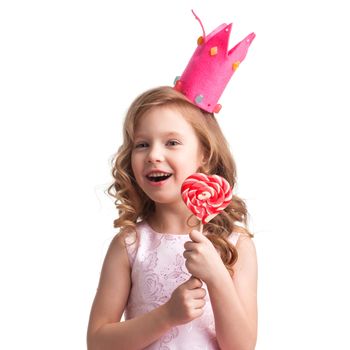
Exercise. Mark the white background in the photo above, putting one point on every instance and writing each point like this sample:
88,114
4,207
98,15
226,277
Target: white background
68,72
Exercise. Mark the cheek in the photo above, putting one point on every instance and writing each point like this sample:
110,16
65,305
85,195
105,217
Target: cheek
188,165
135,164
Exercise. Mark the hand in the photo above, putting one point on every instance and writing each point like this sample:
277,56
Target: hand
186,302
202,259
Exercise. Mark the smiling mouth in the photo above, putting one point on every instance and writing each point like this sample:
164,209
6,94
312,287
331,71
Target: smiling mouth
158,178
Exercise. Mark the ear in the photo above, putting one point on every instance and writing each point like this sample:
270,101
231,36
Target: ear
203,161
204,168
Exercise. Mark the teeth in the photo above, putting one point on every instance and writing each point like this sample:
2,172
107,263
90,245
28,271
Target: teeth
158,174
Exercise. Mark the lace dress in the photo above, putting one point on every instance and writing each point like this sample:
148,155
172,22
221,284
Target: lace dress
158,268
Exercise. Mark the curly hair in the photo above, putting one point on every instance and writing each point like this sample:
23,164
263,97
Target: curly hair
134,205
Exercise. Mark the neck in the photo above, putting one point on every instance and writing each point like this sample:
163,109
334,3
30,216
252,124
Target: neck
172,218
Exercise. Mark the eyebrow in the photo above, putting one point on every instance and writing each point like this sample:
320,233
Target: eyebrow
164,134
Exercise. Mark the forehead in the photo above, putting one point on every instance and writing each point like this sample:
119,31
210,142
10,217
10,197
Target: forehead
163,121
144,133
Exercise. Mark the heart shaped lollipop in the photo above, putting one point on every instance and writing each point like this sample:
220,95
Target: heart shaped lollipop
206,195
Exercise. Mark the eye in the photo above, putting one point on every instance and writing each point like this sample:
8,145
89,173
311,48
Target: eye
141,145
173,142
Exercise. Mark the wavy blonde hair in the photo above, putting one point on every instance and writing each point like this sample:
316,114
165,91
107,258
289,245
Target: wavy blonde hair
134,205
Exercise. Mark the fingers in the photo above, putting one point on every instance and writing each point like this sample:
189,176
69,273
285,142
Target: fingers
194,283
189,245
198,303
199,293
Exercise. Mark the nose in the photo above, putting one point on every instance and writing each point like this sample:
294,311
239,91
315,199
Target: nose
155,154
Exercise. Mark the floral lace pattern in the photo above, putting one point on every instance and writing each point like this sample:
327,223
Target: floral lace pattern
158,268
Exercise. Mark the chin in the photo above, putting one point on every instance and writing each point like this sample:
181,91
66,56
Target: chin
166,199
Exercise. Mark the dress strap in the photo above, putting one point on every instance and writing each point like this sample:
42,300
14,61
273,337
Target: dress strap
131,246
233,238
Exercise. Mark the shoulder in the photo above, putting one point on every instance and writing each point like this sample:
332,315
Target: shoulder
245,245
120,248
117,250
246,265
238,234
241,230
129,236
130,239
126,237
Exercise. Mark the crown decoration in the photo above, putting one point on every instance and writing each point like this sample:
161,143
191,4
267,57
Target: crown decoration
211,67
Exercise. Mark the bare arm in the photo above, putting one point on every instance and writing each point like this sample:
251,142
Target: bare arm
234,301
105,331
133,334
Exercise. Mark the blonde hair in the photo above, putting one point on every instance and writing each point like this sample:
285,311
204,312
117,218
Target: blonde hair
134,205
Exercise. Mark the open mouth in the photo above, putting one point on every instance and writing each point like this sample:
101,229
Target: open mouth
159,178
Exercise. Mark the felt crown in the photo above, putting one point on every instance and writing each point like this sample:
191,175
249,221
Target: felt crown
211,67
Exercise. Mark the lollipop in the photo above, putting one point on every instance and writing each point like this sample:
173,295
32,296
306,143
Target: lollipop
206,195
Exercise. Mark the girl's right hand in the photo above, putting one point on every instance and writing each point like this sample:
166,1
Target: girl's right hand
186,302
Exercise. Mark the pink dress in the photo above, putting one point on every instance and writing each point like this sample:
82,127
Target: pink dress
158,268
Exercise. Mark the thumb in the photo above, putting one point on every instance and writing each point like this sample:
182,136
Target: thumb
196,236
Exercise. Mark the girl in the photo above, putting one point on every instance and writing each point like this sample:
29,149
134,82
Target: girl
148,266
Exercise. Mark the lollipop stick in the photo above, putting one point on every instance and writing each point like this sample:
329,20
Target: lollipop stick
201,227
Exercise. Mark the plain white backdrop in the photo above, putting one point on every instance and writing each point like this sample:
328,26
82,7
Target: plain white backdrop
68,72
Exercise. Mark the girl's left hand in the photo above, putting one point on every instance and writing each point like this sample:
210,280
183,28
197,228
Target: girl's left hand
202,259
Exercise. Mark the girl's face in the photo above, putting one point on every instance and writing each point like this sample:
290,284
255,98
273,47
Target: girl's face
165,152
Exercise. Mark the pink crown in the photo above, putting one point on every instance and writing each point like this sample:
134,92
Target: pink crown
211,67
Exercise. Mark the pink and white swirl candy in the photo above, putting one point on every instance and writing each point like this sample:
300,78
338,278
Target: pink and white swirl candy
206,195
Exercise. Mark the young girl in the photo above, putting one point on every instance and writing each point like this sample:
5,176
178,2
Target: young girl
178,288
